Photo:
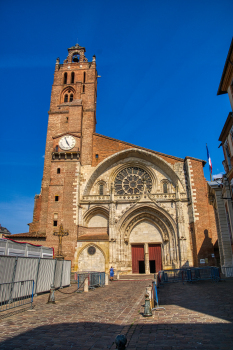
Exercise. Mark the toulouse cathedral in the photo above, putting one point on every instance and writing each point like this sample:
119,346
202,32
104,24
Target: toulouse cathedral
119,205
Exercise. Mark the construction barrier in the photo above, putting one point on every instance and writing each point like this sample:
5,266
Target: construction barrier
43,272
15,294
191,274
95,279
227,271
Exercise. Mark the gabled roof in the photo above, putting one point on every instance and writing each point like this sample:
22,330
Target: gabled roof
229,61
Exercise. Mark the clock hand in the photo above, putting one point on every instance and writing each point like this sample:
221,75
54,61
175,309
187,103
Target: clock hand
67,142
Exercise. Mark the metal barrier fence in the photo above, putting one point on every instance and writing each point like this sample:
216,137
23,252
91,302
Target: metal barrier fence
44,272
227,271
95,279
189,275
14,294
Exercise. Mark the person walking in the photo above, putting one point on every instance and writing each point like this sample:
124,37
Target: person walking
111,270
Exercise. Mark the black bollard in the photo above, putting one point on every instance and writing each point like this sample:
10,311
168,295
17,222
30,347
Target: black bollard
120,341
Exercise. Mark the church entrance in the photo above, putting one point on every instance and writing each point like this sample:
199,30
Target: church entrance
138,263
155,258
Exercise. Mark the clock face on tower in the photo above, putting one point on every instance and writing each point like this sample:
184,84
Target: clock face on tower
67,142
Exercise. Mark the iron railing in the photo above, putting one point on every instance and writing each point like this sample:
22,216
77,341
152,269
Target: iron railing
15,294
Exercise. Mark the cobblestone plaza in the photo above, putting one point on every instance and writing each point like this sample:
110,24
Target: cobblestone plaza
197,316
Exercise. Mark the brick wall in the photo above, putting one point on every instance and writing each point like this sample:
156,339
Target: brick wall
106,146
204,230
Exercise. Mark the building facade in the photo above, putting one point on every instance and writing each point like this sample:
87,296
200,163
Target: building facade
220,192
122,205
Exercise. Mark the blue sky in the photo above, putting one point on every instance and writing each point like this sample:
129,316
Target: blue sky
160,65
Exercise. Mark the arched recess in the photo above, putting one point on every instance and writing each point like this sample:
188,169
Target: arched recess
162,221
133,153
87,262
67,91
95,211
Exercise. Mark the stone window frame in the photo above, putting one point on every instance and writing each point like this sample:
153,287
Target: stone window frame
69,91
165,181
97,187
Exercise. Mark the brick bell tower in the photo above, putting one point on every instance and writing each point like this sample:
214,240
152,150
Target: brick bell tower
71,124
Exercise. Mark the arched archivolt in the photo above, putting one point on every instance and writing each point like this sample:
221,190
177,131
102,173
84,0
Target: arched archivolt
90,245
82,251
96,210
155,214
133,153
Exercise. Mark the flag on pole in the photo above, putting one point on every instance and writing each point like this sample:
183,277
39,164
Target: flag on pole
210,163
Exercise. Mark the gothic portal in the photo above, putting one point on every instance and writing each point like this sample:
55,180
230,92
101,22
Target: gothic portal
123,205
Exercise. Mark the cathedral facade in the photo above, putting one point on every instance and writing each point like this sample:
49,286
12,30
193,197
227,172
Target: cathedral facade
120,205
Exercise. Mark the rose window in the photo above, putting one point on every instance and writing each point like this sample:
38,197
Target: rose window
131,180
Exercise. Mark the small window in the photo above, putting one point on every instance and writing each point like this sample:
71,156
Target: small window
165,187
54,222
66,98
58,170
96,156
65,79
71,97
72,78
56,198
84,77
83,88
101,190
56,148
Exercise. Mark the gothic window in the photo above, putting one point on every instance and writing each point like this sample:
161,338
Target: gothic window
84,77
101,189
164,187
131,180
65,78
72,78
71,97
83,88
66,98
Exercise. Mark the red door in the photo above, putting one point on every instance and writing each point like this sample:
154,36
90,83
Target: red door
155,254
137,255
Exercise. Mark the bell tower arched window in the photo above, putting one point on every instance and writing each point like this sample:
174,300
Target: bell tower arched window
72,78
65,78
68,95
